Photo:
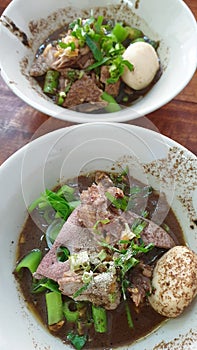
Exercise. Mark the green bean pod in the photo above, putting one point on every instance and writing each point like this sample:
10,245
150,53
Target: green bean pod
51,82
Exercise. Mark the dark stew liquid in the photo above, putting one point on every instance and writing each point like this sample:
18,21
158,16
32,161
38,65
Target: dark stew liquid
124,95
145,319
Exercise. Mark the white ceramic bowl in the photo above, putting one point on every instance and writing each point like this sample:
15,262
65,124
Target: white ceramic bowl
170,21
62,154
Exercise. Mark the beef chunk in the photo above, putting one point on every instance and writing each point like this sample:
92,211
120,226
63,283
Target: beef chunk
83,90
78,233
85,58
103,290
51,58
95,208
112,89
152,233
140,279
43,62
104,74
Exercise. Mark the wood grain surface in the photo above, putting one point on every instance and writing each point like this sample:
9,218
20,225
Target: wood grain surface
19,123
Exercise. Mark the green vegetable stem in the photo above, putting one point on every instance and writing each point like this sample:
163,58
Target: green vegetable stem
112,106
94,48
51,82
70,315
133,33
30,261
120,32
100,319
54,307
59,201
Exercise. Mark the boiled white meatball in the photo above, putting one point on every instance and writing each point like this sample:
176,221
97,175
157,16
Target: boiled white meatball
146,64
174,281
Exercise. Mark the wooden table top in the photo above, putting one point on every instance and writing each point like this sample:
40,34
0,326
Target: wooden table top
20,122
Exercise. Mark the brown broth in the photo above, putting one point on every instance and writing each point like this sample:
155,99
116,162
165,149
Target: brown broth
145,319
131,97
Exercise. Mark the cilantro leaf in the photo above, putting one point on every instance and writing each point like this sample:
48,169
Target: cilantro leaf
39,286
119,203
80,290
78,341
59,204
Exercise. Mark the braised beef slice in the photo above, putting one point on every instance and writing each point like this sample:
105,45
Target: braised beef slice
43,62
82,60
83,90
95,206
78,234
112,89
99,291
51,59
140,279
85,58
152,233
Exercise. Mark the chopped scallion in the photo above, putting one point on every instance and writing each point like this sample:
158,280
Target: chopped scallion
113,106
129,317
54,307
44,284
70,315
30,261
120,32
80,290
100,319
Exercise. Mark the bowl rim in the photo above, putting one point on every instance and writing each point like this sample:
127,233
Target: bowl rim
41,139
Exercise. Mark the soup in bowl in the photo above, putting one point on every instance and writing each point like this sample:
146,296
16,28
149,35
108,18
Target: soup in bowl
114,62
97,218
